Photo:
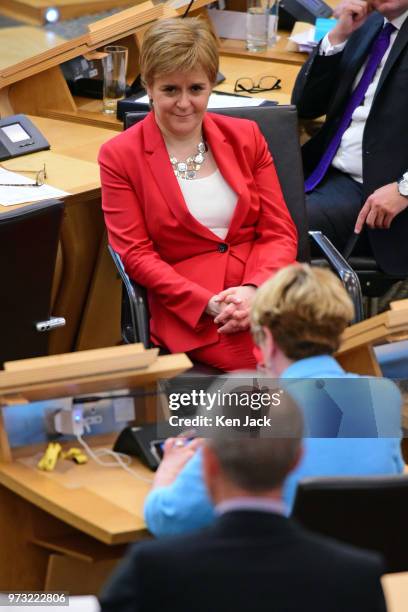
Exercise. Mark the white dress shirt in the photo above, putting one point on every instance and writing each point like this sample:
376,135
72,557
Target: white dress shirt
211,201
349,156
251,504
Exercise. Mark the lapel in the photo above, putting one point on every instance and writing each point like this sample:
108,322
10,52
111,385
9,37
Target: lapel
162,171
399,45
356,56
229,166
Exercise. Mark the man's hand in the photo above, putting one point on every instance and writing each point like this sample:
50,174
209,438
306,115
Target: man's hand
176,453
234,316
351,14
381,207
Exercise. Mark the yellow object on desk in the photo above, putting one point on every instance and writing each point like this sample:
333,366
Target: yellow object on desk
76,454
49,460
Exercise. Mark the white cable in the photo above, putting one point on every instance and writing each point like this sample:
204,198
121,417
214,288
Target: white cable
120,459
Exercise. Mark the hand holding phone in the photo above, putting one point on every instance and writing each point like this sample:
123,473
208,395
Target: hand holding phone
176,453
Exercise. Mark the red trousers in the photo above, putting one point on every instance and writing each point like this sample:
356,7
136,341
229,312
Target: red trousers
231,352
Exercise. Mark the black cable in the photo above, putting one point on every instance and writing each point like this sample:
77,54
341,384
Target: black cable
186,12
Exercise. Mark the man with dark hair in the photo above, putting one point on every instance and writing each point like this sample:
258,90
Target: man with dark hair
252,558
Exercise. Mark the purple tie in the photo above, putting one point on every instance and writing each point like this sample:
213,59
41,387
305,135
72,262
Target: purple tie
379,47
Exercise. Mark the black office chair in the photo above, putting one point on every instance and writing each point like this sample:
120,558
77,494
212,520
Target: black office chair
279,126
369,512
28,249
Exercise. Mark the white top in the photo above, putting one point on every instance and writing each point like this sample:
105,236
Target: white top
211,201
349,156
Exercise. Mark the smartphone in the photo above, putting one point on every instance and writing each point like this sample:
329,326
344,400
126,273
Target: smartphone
157,449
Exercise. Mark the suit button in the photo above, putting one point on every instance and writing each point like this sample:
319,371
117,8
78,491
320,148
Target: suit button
222,247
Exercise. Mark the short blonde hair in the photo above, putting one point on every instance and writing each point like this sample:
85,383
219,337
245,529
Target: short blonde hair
306,310
172,45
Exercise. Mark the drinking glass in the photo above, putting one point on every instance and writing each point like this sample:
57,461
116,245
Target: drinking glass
114,77
257,19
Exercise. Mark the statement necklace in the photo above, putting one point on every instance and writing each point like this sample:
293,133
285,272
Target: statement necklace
188,169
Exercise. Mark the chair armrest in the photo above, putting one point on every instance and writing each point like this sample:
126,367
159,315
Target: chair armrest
343,270
135,296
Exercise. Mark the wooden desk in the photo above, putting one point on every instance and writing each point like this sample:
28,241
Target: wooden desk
86,512
32,11
36,40
72,166
105,503
28,94
277,53
234,68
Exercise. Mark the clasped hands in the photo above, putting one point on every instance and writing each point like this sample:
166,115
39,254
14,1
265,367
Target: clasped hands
230,308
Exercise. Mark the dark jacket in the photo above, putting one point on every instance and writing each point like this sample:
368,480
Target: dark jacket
323,87
247,561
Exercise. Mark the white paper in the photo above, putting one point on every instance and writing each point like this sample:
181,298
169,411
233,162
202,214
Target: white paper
305,40
221,101
20,195
305,48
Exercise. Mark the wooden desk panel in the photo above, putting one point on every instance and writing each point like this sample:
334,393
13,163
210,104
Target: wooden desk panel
23,42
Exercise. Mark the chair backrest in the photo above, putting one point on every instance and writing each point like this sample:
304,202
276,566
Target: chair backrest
369,512
28,249
280,129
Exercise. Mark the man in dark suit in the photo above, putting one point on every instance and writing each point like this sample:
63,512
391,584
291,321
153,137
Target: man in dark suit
356,166
252,558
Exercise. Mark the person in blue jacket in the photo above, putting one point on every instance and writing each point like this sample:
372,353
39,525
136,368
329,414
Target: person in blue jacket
297,319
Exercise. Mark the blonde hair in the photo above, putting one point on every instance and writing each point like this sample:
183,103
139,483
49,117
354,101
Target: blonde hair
306,310
172,45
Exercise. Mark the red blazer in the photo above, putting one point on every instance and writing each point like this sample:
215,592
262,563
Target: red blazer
165,249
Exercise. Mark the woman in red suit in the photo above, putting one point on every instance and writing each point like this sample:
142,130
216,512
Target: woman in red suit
192,203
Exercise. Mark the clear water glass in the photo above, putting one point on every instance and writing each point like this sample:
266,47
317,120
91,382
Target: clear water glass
257,20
